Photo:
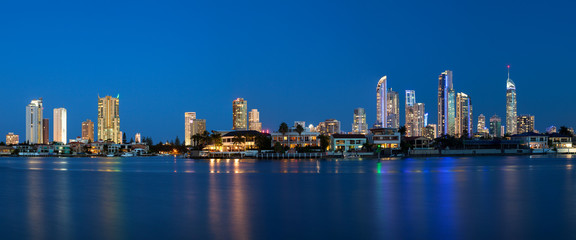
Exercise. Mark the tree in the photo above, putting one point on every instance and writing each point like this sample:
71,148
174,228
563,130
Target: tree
402,130
124,138
299,130
263,142
216,138
131,140
205,138
283,128
238,140
565,131
197,139
278,148
324,141
177,141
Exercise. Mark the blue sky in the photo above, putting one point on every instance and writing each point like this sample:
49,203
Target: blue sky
292,60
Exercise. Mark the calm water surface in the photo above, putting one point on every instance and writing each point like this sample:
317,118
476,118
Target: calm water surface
166,198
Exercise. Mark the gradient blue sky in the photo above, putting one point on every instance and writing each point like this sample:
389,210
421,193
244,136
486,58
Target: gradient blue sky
292,60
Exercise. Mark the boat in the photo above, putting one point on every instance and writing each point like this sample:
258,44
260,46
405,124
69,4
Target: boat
127,155
110,155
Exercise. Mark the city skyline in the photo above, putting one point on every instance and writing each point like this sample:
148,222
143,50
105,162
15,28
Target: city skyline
184,58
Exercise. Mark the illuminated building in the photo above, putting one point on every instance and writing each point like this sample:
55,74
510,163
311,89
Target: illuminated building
415,115
46,131
88,130
429,131
393,109
60,125
198,126
446,108
347,142
292,138
189,118
359,125
109,119
381,103
525,123
34,122
138,138
12,139
254,120
463,115
511,117
329,127
496,126
386,138
481,127
239,114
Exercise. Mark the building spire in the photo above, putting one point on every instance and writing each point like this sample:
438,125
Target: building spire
508,71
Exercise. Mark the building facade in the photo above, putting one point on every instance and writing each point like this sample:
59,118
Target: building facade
359,125
393,109
60,125
189,118
46,131
347,142
239,114
34,122
481,127
329,127
12,139
109,119
381,103
511,117
525,123
463,115
446,108
88,130
254,120
496,126
415,115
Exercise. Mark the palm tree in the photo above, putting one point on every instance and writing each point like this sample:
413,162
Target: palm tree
238,140
324,141
205,138
283,129
196,139
216,138
299,130
402,130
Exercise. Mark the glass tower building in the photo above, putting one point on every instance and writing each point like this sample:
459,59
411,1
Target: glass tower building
511,115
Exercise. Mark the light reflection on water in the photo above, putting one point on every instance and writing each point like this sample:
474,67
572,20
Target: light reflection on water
434,198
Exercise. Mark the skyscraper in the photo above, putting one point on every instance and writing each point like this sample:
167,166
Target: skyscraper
415,115
239,114
511,117
12,139
381,103
329,127
254,120
481,127
359,125
137,138
446,108
496,126
393,109
109,119
88,130
45,131
189,118
525,123
60,123
463,115
34,130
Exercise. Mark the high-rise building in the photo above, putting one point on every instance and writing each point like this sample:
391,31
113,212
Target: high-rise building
198,126
415,115
88,130
189,118
45,131
481,127
429,131
393,109
60,125
359,125
109,119
381,103
496,126
329,127
511,118
12,139
463,115
525,123
34,122
446,107
137,138
254,120
239,114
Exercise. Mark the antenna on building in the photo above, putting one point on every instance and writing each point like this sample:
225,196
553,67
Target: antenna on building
508,71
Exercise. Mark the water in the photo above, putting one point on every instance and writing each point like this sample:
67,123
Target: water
164,198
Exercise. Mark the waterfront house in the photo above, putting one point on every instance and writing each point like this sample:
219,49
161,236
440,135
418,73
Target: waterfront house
347,142
386,138
532,140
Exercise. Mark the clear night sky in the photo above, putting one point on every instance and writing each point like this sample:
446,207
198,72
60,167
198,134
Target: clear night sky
292,60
